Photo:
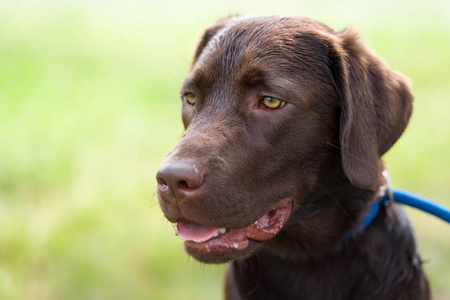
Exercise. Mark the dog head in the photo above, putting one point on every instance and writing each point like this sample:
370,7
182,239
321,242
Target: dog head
281,115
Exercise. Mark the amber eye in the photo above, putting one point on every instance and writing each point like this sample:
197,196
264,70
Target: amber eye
190,98
272,103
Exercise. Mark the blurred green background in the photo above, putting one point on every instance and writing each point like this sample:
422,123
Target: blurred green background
89,105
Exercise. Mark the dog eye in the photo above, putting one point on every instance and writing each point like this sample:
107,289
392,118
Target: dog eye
190,98
271,102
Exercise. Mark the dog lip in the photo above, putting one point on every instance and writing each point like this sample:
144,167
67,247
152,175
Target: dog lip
271,222
237,239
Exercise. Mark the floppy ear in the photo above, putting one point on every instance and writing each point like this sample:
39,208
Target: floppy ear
376,104
206,38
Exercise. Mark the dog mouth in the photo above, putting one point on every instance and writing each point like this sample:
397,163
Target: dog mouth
217,240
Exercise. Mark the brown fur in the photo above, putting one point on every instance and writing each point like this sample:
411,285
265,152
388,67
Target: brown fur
344,109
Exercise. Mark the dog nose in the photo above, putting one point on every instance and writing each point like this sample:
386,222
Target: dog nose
180,178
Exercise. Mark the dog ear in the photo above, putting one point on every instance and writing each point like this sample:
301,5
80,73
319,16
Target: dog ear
376,104
207,36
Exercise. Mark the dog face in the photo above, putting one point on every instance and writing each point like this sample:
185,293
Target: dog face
278,113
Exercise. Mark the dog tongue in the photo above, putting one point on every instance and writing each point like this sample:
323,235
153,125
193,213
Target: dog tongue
190,231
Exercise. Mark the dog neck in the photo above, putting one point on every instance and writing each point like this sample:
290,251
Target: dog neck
372,212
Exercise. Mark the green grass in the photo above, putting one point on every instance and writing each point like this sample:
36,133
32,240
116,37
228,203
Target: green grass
89,106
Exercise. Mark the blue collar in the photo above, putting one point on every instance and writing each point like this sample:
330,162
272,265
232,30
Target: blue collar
371,214
389,196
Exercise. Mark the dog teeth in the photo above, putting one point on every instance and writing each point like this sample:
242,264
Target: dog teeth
219,232
175,227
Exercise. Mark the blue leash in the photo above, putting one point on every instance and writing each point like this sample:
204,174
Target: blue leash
419,202
403,197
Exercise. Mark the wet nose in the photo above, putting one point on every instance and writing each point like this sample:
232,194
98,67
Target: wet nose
180,178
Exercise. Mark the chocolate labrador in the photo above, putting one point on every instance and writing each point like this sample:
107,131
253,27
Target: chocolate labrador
286,122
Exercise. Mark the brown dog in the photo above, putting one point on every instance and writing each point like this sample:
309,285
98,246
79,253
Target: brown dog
286,122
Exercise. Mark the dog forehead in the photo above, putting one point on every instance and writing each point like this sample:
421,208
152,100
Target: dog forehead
265,41
241,45
239,40
262,32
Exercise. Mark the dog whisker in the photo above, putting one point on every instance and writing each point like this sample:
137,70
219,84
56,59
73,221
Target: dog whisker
338,205
355,157
156,153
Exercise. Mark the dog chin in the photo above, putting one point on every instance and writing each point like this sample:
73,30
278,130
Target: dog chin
219,256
